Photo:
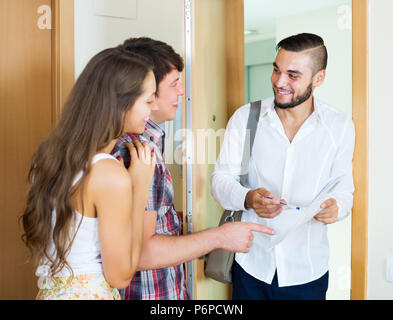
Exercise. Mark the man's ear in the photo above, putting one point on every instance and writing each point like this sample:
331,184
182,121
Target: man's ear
319,78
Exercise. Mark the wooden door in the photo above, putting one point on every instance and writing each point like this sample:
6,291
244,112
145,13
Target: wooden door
217,70
25,119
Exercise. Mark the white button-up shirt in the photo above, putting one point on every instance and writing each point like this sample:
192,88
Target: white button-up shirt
295,171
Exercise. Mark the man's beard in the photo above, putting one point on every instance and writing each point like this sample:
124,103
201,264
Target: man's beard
294,102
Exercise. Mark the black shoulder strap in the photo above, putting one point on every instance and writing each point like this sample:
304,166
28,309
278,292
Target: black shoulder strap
252,124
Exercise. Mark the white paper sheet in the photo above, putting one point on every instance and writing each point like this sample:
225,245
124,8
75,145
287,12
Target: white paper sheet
290,218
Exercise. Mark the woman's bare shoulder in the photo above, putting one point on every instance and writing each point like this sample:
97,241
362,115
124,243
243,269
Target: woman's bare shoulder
109,174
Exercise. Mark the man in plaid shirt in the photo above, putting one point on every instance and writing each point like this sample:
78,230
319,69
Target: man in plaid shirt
163,283
161,272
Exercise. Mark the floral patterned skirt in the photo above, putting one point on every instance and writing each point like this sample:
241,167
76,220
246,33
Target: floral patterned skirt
81,287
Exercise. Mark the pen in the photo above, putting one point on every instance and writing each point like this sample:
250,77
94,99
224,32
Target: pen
282,203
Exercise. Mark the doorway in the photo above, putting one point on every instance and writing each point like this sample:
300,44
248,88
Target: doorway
343,25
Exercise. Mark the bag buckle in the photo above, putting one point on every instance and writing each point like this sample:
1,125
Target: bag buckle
230,217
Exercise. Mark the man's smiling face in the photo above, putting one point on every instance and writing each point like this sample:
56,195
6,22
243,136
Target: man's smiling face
168,92
292,78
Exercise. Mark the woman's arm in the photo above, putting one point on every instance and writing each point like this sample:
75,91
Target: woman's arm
119,217
120,198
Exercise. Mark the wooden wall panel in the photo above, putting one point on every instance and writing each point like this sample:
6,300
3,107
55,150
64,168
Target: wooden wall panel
28,110
25,119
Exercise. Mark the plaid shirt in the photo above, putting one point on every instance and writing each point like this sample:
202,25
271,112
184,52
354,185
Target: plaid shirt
165,283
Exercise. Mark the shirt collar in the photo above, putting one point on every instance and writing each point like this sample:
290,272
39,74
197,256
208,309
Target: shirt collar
268,108
153,132
317,108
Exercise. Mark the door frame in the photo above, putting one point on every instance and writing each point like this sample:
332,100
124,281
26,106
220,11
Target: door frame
360,107
63,71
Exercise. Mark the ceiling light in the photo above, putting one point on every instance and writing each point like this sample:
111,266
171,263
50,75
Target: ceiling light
249,32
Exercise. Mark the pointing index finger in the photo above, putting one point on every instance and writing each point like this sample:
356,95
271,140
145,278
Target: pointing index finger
260,228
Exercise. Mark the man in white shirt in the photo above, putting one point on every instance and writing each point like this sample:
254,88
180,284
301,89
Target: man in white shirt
300,145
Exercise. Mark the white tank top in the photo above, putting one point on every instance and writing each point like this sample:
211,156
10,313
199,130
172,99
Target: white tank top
85,254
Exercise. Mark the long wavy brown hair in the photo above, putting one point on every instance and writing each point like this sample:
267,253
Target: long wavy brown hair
92,117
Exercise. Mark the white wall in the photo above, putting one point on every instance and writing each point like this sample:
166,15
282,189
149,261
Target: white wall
380,220
333,26
161,20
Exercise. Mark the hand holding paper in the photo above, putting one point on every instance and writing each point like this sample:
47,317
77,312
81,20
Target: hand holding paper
329,214
292,217
261,200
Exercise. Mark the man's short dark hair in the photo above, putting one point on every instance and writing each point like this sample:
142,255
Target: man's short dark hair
162,56
307,41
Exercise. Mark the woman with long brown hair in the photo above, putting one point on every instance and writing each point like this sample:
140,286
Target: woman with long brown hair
83,220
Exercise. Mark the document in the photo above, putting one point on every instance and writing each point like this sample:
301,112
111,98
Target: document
292,217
